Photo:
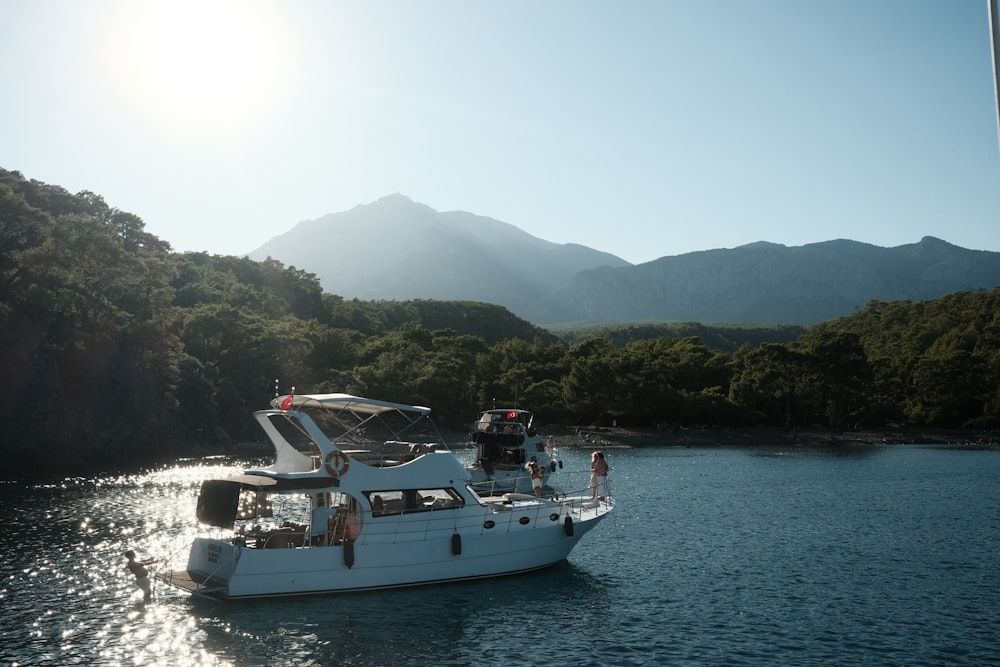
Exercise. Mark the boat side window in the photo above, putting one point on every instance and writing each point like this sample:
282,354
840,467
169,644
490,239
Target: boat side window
433,499
385,502
412,500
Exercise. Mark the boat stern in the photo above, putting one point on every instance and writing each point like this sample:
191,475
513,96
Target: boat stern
211,563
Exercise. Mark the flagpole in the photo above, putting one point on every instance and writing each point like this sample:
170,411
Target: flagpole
991,6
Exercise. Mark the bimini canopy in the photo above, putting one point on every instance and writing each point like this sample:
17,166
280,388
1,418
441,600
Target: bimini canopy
356,404
347,419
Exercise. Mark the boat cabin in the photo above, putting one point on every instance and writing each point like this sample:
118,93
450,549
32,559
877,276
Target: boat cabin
262,515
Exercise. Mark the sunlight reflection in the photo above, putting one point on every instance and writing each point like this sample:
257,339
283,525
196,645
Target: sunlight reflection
77,603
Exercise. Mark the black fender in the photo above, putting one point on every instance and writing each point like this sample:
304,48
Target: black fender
349,553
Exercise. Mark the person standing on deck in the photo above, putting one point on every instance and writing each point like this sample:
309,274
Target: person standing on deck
598,476
536,477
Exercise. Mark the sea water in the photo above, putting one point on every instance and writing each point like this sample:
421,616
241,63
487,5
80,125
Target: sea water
878,555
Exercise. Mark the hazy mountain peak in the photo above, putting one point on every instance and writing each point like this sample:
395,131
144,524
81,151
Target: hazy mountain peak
762,244
394,197
395,248
395,204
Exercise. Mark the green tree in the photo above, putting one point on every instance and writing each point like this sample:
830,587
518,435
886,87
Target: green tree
949,381
838,378
590,386
767,381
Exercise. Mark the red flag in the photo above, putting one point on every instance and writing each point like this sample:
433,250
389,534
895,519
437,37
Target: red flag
287,403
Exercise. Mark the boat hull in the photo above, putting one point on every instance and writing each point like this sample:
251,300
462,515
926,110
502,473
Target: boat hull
524,536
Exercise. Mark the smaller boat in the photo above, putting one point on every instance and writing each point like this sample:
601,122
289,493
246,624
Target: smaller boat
506,440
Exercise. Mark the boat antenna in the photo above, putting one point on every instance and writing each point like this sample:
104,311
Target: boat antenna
276,387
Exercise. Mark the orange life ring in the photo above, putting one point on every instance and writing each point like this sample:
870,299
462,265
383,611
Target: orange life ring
336,463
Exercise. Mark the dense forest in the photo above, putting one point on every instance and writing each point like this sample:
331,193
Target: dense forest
118,351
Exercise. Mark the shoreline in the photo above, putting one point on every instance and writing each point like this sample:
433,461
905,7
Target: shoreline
613,437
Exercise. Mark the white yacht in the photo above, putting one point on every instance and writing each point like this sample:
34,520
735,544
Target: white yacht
360,497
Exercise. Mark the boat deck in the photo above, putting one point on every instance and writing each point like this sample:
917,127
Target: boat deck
185,580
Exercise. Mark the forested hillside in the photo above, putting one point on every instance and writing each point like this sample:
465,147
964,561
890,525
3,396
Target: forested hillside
117,352
719,336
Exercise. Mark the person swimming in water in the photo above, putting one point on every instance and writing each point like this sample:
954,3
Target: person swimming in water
138,568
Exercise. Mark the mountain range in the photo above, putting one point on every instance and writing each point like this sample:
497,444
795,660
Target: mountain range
398,249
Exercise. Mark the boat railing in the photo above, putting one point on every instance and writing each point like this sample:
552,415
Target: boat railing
223,564
556,485
393,453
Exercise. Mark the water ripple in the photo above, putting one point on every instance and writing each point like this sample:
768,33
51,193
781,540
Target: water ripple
877,555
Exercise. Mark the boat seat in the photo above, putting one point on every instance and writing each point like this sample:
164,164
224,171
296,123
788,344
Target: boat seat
393,506
284,540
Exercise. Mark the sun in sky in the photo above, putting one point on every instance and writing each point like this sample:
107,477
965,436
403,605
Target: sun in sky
200,61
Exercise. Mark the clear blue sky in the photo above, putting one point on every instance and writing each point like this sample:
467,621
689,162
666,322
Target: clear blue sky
643,129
